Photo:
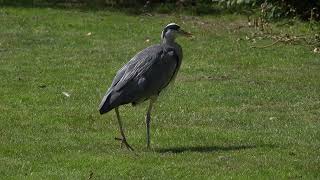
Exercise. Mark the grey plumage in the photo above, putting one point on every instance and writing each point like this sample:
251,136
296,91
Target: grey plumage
145,75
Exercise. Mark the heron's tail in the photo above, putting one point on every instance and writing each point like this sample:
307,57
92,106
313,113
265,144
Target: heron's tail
105,105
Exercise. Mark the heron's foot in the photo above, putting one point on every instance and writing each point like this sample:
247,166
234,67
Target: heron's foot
124,142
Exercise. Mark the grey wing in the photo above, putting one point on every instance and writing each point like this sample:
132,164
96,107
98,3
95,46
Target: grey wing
125,85
144,75
155,68
139,65
148,72
162,72
159,74
136,66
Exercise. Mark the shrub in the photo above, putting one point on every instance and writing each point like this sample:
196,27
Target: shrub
273,9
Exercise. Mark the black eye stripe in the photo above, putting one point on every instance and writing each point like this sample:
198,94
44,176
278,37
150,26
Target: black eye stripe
171,26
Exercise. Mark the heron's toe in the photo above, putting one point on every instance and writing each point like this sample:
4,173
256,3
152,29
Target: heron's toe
124,142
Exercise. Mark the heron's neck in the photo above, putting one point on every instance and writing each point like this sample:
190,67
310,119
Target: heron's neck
169,41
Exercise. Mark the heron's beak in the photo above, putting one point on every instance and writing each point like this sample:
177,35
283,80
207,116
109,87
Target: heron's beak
185,33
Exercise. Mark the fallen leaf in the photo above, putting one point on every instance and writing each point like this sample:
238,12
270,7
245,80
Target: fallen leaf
66,94
272,118
89,34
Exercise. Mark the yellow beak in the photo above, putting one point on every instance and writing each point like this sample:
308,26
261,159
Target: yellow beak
185,33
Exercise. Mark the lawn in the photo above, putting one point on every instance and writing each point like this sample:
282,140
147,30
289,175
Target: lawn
233,112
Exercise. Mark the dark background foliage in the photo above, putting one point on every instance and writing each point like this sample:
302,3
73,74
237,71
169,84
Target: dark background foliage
272,9
280,8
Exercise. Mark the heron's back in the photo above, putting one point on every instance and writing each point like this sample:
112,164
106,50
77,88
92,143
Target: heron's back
145,75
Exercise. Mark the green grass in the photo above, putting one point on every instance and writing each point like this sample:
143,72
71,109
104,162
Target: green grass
234,111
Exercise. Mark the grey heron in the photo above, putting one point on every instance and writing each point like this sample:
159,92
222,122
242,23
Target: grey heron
144,77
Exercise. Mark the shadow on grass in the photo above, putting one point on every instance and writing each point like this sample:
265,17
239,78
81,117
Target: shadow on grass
208,149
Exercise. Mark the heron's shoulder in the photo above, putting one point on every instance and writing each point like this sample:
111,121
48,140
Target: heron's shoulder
153,49
149,52
158,48
152,53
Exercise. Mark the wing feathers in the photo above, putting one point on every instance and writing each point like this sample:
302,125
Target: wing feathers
146,74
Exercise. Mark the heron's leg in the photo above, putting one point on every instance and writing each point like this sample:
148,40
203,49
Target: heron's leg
123,139
148,118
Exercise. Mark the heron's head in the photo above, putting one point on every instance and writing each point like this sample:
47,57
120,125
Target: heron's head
172,30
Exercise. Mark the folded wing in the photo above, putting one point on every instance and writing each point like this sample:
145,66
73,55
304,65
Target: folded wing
145,75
